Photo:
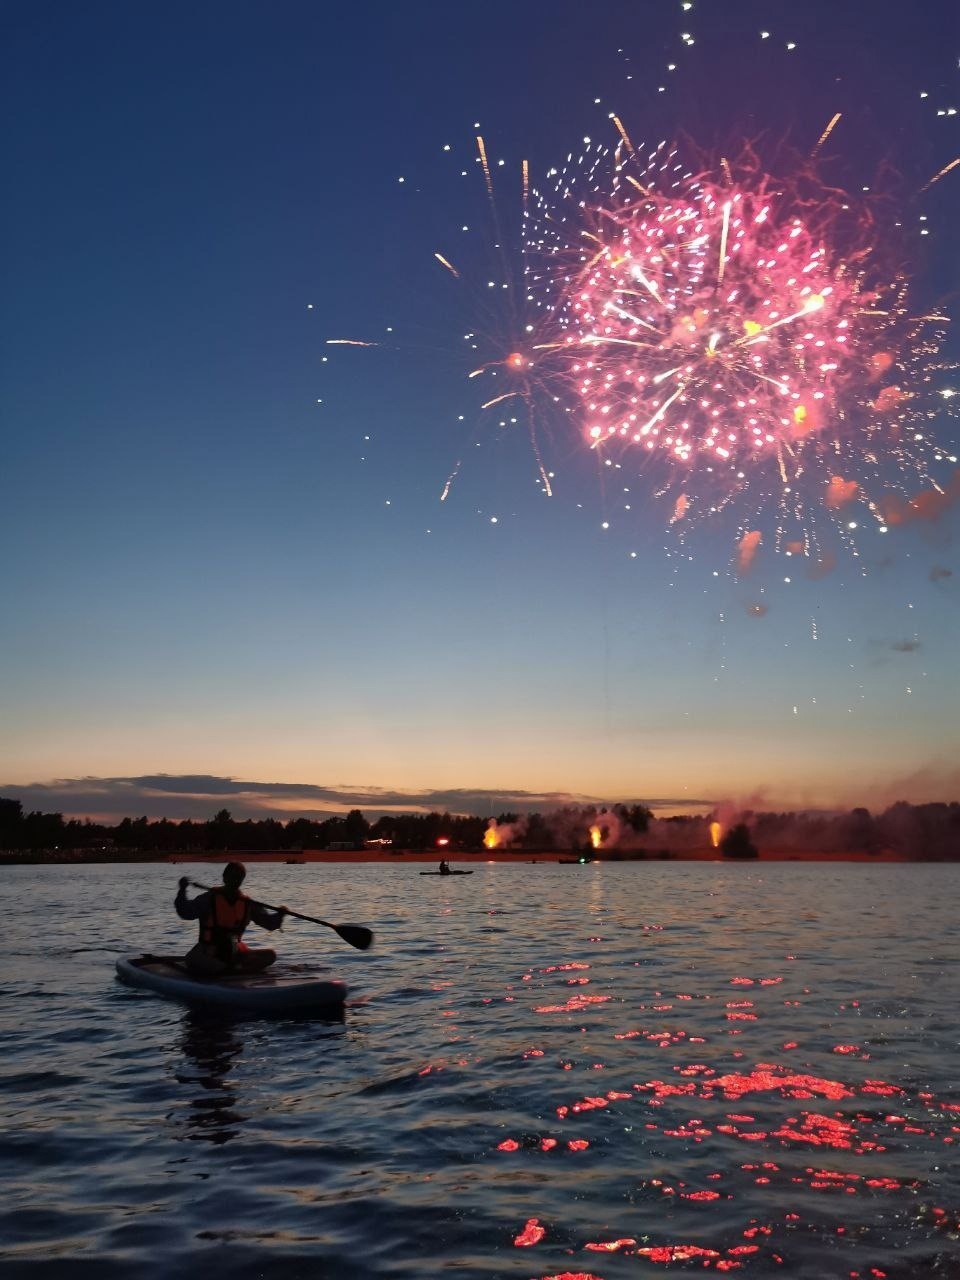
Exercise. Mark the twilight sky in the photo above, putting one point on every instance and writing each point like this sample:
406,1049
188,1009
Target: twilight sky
225,554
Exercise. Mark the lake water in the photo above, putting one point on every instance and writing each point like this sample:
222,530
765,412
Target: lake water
608,1071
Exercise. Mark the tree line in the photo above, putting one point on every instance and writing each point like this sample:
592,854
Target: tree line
41,832
926,831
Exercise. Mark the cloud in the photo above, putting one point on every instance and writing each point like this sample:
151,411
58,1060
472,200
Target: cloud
906,646
199,796
939,573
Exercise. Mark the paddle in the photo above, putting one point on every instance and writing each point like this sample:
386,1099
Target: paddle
356,934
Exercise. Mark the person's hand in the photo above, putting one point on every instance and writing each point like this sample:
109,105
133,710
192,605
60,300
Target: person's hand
184,882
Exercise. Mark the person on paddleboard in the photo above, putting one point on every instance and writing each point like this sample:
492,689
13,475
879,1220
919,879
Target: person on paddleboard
444,867
224,913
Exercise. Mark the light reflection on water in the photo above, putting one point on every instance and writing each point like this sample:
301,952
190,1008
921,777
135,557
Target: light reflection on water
610,1070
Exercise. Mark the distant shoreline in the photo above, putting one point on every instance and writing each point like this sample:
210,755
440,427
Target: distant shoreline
342,856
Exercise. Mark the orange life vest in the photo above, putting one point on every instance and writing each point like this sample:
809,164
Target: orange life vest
221,928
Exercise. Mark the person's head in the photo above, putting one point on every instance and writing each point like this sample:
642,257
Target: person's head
234,874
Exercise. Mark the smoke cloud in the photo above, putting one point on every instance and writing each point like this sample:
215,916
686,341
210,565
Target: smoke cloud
747,548
929,504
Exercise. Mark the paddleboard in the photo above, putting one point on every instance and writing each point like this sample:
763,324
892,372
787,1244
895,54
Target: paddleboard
267,992
446,873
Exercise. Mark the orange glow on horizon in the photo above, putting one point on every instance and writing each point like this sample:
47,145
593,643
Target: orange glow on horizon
715,830
490,837
595,837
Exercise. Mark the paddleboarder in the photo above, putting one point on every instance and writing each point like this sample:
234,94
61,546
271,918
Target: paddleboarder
224,913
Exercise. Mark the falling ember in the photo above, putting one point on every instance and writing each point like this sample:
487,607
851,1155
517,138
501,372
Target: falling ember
491,837
942,174
444,263
715,830
482,150
596,835
450,479
826,133
623,133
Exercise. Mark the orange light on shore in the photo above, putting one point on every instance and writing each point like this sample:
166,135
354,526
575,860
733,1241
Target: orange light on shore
490,837
442,842
595,837
715,830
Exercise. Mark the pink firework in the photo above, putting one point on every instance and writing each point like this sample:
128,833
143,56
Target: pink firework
738,330
708,326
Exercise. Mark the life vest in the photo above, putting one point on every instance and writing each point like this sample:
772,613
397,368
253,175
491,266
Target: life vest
221,928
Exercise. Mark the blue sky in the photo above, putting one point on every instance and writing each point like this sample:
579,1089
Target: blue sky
227,557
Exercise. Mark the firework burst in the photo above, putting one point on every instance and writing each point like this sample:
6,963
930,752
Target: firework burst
738,333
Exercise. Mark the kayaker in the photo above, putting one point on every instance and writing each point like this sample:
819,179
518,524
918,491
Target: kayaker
444,867
224,913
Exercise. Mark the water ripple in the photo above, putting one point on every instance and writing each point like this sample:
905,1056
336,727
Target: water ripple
601,1071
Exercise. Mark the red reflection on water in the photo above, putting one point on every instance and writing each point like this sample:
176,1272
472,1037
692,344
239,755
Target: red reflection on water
578,1144
509,1144
765,1077
880,1087
564,968
585,1104
572,1275
823,1131
689,1129
608,1246
531,1234
676,1252
573,1005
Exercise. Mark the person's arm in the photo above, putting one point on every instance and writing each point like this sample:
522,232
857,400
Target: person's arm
267,919
186,909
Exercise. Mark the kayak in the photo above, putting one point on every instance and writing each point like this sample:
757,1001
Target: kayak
446,873
266,992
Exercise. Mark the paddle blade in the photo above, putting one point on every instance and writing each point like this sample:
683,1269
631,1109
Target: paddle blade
356,934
